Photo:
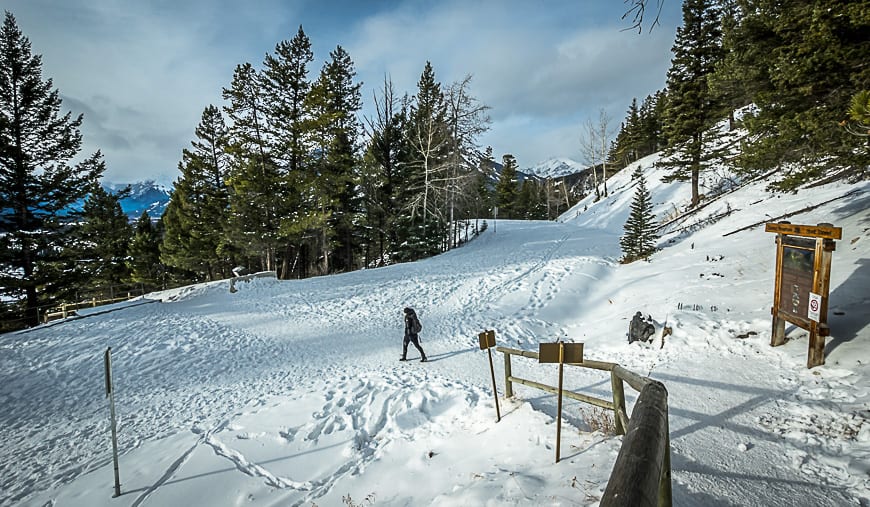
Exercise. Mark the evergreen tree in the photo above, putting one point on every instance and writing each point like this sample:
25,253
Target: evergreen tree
484,195
651,116
286,87
626,148
805,59
730,85
335,100
197,213
144,253
37,184
859,114
639,240
691,107
531,201
102,238
507,188
421,224
254,179
383,175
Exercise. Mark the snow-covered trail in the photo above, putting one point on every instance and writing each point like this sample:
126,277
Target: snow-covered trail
290,392
189,364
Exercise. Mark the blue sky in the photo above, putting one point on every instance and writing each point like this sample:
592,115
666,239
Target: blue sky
142,71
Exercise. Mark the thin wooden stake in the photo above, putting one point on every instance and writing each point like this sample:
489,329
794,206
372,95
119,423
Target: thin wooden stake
494,389
110,394
559,408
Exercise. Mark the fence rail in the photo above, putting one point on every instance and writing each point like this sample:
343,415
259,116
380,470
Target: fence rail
641,475
67,309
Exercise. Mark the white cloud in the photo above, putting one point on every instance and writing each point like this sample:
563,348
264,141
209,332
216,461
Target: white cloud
143,71
541,78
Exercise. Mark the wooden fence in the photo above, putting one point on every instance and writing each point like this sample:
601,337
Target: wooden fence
93,298
641,475
67,309
117,293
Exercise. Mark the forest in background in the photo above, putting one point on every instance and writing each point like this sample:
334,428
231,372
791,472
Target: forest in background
285,175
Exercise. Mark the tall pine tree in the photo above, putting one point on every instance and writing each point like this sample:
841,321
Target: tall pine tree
507,188
102,237
383,174
286,87
335,100
422,224
198,212
255,199
37,182
691,109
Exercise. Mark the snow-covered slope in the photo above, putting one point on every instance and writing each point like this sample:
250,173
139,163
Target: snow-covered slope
290,392
555,168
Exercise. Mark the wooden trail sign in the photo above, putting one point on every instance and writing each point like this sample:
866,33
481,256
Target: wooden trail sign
803,276
487,341
560,352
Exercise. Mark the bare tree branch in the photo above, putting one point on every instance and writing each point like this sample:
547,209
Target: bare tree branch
637,10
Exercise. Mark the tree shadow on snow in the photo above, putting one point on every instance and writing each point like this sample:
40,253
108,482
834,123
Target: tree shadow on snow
724,418
847,306
687,469
785,489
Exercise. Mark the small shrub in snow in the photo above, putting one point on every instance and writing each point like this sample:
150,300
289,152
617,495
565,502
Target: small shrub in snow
368,500
598,419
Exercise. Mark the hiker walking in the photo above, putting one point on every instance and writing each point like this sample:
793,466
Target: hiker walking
412,328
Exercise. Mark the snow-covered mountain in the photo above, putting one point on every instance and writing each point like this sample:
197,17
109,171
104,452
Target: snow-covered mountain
555,168
144,196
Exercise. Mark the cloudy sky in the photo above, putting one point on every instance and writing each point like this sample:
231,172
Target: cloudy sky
142,71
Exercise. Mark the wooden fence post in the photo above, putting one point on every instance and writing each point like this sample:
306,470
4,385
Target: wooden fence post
665,496
508,386
618,402
639,475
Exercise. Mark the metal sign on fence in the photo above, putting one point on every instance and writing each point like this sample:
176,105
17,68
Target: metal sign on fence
487,341
110,394
560,352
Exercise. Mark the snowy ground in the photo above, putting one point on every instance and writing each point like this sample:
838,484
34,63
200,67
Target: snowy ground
290,392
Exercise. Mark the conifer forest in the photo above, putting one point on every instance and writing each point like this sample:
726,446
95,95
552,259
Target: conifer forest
286,174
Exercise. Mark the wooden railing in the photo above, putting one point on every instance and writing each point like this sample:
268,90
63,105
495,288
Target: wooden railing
67,309
641,475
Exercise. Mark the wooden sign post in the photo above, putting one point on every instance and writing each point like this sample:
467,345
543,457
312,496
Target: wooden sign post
803,276
560,352
487,341
110,394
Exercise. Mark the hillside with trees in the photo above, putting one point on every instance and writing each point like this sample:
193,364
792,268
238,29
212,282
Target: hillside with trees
286,175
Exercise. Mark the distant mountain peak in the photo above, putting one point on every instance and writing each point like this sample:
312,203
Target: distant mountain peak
144,196
555,167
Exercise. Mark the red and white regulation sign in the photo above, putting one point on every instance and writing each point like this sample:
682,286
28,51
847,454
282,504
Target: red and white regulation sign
814,306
